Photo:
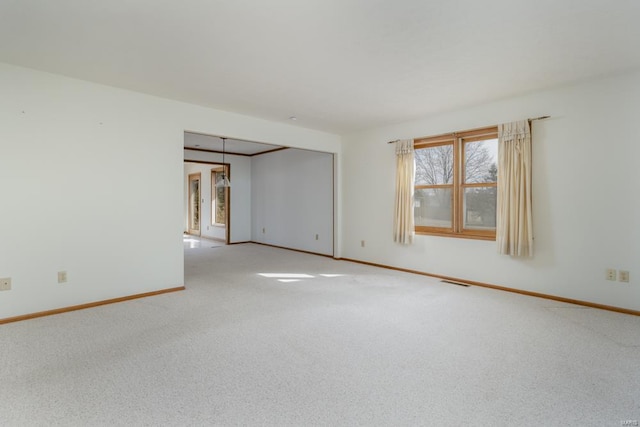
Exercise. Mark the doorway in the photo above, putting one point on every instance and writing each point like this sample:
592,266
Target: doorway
194,204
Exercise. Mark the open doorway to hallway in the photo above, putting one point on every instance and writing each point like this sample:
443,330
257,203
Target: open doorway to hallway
279,196
226,212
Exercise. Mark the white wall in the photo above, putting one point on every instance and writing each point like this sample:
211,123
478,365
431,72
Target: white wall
292,200
91,179
585,184
240,194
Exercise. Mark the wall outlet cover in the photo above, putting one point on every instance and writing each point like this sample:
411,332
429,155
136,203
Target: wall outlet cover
5,284
611,274
62,276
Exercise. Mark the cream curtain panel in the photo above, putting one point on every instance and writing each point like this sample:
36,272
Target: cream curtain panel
514,228
403,228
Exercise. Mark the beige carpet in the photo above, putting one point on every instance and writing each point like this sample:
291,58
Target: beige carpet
265,336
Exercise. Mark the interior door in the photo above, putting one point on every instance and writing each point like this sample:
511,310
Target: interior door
194,204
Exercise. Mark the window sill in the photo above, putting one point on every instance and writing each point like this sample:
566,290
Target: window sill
457,235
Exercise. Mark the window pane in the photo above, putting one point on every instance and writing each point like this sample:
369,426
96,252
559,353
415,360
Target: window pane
434,165
220,205
432,207
480,208
481,161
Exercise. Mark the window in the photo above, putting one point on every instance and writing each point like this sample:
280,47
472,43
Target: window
456,184
218,199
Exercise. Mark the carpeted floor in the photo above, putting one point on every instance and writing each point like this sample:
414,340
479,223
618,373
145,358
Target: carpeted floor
265,336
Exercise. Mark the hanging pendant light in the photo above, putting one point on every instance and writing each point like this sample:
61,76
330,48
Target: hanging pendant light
224,180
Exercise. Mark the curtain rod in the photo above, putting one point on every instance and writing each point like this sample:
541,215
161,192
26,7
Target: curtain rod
530,120
539,118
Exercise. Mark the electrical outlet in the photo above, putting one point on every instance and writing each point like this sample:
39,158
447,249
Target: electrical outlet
362,243
611,274
623,276
62,277
316,237
5,284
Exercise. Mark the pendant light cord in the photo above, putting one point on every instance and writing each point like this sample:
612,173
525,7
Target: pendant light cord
224,143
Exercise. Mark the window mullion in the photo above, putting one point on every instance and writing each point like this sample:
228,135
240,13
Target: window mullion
457,181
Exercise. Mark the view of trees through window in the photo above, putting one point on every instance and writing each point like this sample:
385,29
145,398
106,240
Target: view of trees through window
456,185
218,198
481,167
220,205
434,186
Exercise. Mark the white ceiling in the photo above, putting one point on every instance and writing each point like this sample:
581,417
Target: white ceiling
338,65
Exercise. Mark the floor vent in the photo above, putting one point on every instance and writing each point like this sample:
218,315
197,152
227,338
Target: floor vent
455,283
